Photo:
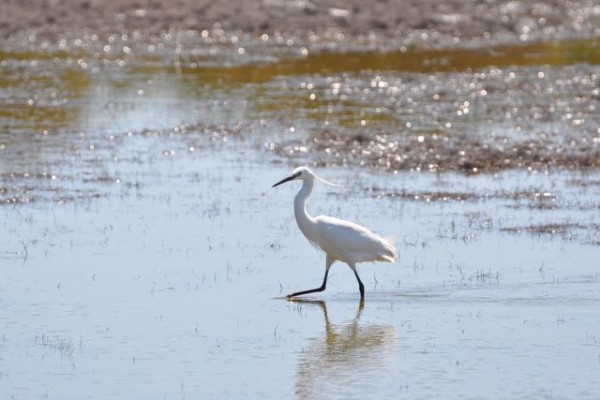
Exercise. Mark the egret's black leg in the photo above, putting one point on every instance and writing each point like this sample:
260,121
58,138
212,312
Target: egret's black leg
328,264
361,287
319,289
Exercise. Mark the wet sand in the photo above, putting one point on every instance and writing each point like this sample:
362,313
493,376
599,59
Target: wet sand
392,18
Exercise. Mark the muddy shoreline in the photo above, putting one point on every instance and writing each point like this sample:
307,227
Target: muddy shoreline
459,19
510,114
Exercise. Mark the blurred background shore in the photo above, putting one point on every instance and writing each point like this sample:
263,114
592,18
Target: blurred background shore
51,19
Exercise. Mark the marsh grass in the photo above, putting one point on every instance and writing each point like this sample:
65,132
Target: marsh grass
65,347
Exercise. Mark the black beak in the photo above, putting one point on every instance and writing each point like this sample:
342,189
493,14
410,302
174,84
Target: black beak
289,178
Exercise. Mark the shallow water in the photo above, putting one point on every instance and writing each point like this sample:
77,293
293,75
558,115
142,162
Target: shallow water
144,254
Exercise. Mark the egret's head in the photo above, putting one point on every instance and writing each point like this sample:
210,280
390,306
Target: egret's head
303,173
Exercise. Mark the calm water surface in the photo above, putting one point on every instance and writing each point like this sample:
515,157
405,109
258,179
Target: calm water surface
144,254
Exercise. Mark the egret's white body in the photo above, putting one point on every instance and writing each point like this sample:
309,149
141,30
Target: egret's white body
340,240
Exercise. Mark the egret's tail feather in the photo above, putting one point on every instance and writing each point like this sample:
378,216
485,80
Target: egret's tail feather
390,253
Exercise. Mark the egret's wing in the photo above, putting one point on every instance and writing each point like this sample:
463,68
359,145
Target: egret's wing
352,242
346,235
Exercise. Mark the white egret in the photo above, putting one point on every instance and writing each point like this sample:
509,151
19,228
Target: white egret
340,240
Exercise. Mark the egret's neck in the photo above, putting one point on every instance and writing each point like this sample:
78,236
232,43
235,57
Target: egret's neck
304,220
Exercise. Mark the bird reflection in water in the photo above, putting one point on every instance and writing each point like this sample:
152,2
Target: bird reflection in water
352,359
